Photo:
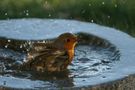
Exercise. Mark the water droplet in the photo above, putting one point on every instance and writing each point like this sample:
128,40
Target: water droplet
29,43
116,5
27,50
6,46
20,46
24,45
46,2
49,15
27,14
103,3
44,41
6,14
108,17
89,4
9,40
24,60
71,31
92,21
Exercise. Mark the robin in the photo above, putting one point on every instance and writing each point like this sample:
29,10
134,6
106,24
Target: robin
52,56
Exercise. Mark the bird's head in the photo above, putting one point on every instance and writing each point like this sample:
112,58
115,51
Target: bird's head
67,41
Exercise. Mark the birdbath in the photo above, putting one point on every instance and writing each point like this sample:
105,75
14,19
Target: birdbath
104,57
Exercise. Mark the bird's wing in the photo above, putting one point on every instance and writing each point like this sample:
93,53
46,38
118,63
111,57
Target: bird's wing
48,56
37,49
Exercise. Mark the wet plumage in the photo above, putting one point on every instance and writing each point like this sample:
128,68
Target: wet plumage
53,56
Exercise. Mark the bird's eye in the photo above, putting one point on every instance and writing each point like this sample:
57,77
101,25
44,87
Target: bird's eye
68,40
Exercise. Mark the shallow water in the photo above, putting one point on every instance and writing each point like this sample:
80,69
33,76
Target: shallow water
89,61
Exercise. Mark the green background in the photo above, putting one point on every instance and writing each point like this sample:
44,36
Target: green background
119,14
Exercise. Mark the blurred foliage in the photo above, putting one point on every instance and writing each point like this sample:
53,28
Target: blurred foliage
115,13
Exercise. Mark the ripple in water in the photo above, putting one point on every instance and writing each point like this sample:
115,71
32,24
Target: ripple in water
89,61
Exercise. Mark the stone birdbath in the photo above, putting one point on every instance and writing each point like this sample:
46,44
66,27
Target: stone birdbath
104,57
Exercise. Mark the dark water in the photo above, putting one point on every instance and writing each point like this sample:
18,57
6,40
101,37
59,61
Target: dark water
89,61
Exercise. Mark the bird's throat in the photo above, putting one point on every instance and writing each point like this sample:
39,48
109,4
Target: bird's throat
71,54
70,48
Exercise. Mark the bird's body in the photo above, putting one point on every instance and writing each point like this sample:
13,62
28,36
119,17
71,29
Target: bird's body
54,56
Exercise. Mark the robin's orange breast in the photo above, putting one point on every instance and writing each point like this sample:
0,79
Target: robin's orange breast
70,47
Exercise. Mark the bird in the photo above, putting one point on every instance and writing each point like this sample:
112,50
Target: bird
53,56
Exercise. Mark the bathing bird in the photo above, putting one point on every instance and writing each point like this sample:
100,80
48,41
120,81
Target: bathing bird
53,56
